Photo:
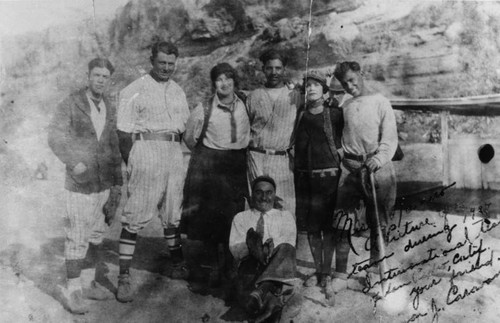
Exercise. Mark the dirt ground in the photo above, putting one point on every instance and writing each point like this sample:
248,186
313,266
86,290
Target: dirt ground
423,262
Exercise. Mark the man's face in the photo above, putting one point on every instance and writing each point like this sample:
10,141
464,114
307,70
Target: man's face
263,196
164,65
274,72
314,90
99,78
353,83
224,86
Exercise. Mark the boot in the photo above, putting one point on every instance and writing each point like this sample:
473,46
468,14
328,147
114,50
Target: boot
124,293
72,298
273,307
97,292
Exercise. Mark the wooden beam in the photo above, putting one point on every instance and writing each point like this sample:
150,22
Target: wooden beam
484,105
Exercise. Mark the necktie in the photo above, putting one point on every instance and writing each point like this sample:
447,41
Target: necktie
233,120
260,225
96,104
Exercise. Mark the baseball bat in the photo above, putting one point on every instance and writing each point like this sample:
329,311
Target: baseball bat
380,239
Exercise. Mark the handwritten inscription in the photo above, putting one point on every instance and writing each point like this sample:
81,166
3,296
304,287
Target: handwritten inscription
436,260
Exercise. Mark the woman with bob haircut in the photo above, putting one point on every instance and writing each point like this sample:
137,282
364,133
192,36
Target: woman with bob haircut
217,132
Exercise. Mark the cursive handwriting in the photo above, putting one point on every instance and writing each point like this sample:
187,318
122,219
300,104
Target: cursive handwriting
434,310
446,229
359,267
454,294
418,290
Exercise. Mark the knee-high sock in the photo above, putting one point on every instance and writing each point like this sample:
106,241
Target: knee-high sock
173,237
126,249
342,247
92,256
316,245
328,249
73,268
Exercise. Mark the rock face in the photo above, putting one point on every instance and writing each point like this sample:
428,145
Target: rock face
408,48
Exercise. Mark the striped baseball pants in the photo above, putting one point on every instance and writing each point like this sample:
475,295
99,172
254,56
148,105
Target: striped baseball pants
279,168
156,179
84,222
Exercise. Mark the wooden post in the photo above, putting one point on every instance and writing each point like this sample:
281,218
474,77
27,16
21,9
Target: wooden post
444,145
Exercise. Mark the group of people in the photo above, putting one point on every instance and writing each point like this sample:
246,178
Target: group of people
261,163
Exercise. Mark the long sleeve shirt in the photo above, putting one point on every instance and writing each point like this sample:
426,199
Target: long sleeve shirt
150,106
370,126
218,134
272,117
278,225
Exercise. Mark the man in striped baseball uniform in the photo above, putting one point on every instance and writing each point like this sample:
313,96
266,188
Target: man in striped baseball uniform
272,111
82,134
152,116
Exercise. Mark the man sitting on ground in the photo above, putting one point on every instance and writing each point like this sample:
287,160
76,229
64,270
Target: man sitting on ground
262,241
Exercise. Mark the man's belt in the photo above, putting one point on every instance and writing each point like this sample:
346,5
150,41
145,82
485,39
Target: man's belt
269,151
158,136
321,172
360,158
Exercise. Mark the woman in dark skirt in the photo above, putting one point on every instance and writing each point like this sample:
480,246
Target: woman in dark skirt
217,133
319,128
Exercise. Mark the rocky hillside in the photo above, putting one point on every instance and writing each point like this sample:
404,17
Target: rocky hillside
409,48
415,49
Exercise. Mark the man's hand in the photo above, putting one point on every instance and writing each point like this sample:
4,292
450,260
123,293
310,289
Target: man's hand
372,165
111,205
79,169
255,247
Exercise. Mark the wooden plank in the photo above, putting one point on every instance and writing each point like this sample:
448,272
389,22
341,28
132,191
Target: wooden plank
474,105
444,146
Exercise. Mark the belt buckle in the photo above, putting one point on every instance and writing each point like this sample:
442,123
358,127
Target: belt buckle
270,151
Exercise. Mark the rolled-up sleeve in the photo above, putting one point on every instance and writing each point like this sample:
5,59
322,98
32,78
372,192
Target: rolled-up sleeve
194,126
237,237
288,230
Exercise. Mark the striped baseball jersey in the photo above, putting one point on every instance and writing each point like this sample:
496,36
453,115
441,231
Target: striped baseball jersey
272,115
150,106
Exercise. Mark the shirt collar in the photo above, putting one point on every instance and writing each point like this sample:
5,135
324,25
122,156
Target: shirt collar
225,107
100,104
268,212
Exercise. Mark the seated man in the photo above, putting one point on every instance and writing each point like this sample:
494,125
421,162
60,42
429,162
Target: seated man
262,241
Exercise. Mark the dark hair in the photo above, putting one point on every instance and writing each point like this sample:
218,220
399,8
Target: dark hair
101,62
164,47
227,70
263,178
318,77
342,68
273,54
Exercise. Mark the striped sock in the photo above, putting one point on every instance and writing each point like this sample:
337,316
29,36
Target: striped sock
126,249
173,237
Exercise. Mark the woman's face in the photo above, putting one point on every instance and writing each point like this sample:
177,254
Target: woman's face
314,90
224,86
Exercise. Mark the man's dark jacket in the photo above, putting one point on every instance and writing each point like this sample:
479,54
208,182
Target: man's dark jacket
73,139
